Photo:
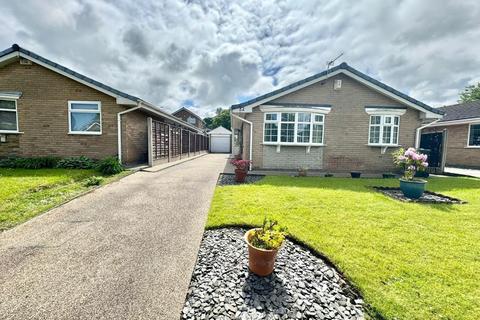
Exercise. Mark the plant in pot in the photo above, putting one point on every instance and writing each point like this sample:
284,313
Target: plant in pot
263,245
411,162
241,169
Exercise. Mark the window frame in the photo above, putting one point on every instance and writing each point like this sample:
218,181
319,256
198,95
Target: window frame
17,130
469,133
279,122
99,111
382,125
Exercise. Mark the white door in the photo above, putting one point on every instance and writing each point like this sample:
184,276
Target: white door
220,144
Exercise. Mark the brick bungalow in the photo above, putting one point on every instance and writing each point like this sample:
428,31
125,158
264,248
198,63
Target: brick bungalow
461,128
339,120
49,110
190,117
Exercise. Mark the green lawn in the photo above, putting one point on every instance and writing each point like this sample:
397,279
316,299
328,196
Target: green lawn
409,261
24,193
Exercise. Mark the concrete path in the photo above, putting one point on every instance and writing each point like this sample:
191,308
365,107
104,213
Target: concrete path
464,172
124,251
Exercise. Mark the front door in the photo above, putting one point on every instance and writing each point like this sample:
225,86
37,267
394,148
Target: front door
431,144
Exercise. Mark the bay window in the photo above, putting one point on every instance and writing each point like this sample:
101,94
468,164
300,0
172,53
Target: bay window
293,128
8,116
84,117
384,130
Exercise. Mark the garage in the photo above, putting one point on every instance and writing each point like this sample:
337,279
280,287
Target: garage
220,140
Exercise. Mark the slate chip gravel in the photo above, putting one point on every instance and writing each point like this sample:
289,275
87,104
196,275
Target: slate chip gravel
303,286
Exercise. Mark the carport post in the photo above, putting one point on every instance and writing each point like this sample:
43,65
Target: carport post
181,145
149,141
189,143
444,150
169,142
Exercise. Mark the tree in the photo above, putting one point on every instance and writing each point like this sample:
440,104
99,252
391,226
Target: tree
470,93
222,118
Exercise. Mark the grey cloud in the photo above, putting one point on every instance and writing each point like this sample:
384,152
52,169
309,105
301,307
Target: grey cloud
213,51
136,41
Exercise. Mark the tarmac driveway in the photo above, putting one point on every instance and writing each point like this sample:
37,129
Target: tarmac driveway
124,251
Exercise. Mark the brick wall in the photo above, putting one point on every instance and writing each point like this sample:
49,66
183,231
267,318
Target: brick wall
184,115
43,115
346,126
134,137
458,155
292,158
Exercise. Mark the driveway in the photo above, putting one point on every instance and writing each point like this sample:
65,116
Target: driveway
124,251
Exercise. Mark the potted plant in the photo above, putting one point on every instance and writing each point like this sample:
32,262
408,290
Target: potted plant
302,171
355,174
263,245
241,169
411,162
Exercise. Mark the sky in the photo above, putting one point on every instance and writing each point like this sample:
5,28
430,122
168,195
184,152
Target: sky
207,54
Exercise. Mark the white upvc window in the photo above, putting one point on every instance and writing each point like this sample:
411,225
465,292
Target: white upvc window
8,115
293,128
85,117
384,130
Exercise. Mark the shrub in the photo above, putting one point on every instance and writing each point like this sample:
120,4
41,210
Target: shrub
81,162
29,163
93,181
241,164
410,161
269,237
109,166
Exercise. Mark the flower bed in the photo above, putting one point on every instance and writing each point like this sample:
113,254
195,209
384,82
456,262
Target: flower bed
229,179
427,197
302,286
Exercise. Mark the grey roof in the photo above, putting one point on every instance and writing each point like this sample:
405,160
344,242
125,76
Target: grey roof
16,47
342,66
461,111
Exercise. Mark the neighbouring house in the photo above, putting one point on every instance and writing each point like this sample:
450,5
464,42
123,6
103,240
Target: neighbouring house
220,140
456,137
190,117
49,110
339,120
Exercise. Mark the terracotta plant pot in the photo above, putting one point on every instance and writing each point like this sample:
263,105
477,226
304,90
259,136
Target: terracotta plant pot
240,175
260,261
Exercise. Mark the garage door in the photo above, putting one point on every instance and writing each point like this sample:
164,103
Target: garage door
220,144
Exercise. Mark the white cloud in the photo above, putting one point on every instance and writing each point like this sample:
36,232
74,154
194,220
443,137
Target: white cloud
214,51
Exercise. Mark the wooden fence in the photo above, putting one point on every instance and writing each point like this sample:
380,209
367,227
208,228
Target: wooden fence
169,142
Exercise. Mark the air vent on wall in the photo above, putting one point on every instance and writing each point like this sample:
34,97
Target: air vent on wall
337,84
25,62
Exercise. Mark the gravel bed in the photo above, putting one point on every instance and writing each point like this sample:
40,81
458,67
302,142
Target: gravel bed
428,196
302,286
225,179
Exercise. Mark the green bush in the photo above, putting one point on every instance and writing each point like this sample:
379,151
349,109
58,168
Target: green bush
81,162
109,166
93,181
29,163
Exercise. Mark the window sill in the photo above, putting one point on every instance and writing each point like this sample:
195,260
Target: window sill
294,144
383,145
10,132
85,133
472,147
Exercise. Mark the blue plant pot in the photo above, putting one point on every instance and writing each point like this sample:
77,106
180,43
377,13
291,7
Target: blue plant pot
412,189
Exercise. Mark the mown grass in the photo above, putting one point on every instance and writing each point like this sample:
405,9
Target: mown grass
25,193
409,261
